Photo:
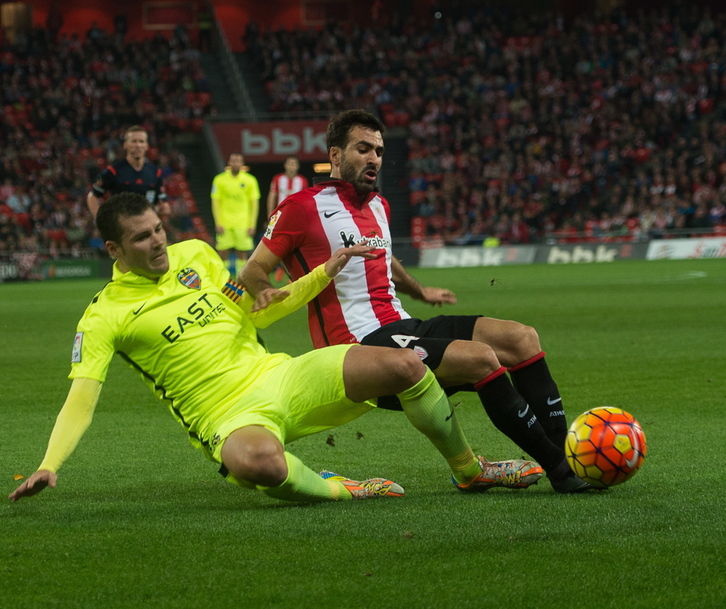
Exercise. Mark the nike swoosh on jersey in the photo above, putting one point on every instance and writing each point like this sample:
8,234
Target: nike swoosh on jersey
551,402
137,311
522,413
328,214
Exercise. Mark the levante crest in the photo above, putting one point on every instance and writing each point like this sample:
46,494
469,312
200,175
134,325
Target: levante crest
190,278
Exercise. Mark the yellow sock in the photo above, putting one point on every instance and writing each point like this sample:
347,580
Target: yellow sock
303,484
429,411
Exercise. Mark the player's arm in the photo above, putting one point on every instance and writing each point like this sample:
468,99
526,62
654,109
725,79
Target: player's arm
70,425
408,284
268,308
255,273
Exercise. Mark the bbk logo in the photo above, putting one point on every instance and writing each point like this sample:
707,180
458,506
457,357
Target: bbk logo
280,142
582,254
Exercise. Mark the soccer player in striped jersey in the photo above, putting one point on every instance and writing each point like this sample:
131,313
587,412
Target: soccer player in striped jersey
286,183
282,186
470,352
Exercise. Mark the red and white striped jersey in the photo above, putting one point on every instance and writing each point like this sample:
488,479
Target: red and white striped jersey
283,186
308,228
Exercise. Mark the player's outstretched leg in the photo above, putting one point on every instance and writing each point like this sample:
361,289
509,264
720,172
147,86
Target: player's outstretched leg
374,371
512,415
517,347
429,411
255,458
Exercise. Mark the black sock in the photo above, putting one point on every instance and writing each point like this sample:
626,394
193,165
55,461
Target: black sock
511,415
533,381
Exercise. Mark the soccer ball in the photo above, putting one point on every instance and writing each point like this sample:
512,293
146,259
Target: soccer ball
605,446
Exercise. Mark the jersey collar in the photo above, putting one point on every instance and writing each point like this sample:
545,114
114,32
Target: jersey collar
347,188
130,277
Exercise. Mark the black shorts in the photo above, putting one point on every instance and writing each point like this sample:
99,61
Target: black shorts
428,338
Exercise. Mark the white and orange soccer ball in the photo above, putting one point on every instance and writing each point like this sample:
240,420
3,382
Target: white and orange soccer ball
605,446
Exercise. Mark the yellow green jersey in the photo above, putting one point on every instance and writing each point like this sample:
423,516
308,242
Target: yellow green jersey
189,333
235,200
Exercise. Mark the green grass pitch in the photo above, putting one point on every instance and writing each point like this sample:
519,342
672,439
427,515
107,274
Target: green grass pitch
141,519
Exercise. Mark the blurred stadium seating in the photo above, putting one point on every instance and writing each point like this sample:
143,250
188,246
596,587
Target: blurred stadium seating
65,105
530,128
521,129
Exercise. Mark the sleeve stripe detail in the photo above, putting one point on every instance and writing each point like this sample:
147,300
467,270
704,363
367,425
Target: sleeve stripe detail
233,291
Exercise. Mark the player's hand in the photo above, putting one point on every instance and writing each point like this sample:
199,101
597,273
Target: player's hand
340,258
267,297
251,232
33,485
438,296
220,230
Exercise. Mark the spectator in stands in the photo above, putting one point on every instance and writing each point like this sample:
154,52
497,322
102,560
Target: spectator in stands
42,79
18,201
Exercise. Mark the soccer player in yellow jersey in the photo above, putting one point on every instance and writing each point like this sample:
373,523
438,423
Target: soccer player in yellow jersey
174,314
235,207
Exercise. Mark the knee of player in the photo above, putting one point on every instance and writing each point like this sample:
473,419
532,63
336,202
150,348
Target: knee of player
526,341
407,367
484,357
272,473
261,467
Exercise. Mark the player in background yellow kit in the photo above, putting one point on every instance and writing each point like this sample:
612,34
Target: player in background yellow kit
235,206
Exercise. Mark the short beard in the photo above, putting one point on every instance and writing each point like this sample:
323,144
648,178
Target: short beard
361,185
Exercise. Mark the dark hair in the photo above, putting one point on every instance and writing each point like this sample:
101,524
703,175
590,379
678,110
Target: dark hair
122,204
340,126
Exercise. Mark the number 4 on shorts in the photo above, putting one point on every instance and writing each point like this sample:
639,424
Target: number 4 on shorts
402,340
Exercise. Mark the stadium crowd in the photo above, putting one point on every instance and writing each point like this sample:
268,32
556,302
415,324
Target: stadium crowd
65,104
520,128
524,127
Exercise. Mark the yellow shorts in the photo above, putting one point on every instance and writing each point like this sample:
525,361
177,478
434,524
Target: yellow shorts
299,397
235,239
